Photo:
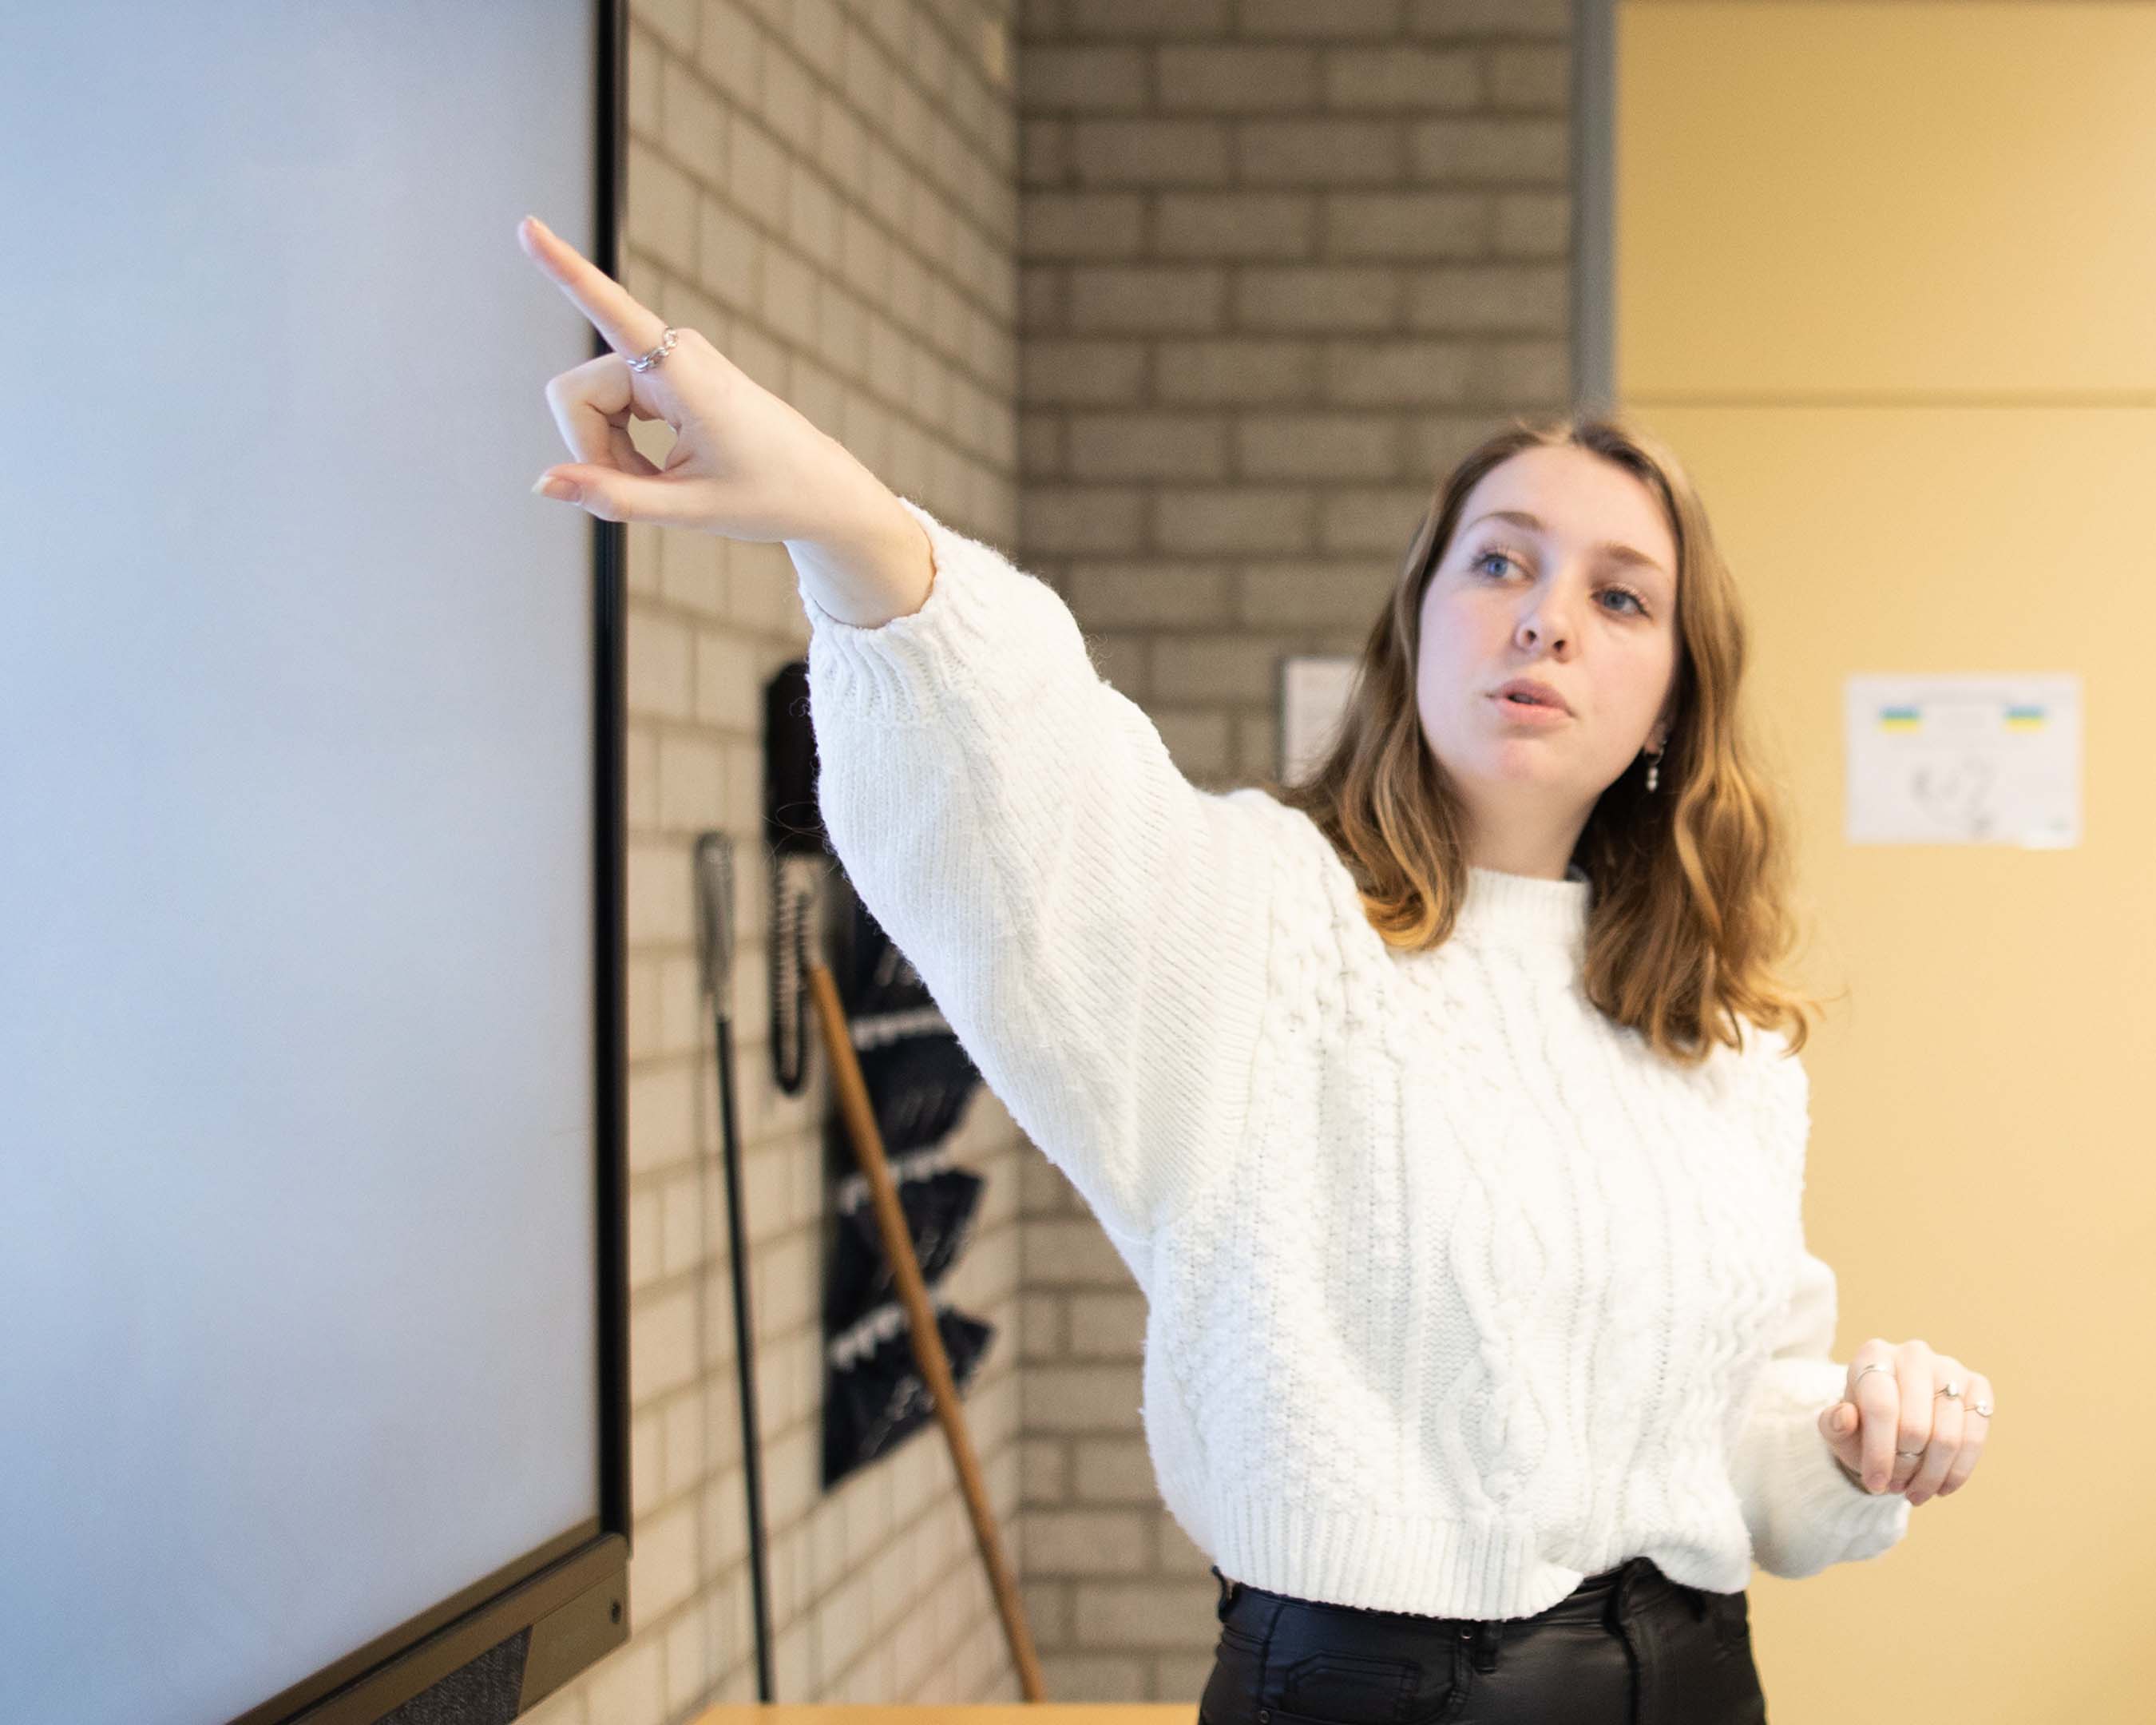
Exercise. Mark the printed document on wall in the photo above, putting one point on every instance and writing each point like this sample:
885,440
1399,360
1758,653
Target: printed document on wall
1987,758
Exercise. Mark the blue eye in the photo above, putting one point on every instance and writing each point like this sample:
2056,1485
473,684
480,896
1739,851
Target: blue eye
1639,604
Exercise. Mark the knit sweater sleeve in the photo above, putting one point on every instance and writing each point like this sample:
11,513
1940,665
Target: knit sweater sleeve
1093,926
1802,1513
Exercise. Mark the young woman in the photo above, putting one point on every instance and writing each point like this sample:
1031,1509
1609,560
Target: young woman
1444,1104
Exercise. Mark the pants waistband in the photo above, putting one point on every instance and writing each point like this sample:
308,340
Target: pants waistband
1591,1599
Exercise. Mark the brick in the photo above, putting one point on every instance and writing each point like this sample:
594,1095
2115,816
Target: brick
1199,743
1045,1468
1232,519
1074,1253
1080,372
1081,1397
789,98
1397,373
1378,523
1411,225
1530,78
729,255
1314,594
787,302
866,72
1121,661
1534,224
817,33
1257,745
1222,78
1495,298
1102,1678
1154,595
1165,299
812,218
1070,79
1230,371
1333,18
658,656
692,784
657,897
1150,152
730,52
1491,148
1062,519
695,129
662,1354
1156,1614
1088,1542
1083,225
1194,669
1489,17
1316,446
1522,374
1309,296
1148,18
1047,156
1107,1324
1412,79
1266,225
1319,152
756,171
842,144
662,1571
1041,447
646,63
1158,446
675,22
662,209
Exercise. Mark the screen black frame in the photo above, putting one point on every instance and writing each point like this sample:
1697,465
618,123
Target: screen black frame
569,1597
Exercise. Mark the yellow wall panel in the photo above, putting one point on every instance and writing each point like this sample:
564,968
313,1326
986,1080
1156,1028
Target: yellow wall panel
1849,200
1886,280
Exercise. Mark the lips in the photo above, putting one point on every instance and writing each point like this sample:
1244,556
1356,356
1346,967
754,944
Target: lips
1538,694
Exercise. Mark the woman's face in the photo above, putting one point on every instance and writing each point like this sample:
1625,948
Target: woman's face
1556,603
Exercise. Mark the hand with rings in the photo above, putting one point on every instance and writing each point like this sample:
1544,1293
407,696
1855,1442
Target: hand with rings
744,464
1911,1421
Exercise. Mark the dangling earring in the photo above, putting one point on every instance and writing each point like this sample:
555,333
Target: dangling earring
1654,768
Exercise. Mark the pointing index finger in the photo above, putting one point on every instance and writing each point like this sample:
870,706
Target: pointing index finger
629,328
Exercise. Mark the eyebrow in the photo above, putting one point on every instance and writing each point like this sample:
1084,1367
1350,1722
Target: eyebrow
1609,548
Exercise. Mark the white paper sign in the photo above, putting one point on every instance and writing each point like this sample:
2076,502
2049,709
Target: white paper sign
1984,759
1313,696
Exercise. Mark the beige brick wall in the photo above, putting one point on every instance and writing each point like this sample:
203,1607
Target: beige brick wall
828,191
1280,261
1211,288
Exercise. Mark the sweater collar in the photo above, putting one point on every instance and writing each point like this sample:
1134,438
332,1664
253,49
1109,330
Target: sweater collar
1525,910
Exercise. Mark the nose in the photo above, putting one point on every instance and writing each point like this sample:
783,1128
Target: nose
1544,622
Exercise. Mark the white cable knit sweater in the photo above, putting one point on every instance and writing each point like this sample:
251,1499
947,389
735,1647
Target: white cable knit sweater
1455,1293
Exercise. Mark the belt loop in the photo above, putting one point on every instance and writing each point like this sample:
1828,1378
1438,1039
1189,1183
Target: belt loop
1228,1589
1489,1634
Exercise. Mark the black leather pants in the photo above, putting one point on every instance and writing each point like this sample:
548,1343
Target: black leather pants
1629,1647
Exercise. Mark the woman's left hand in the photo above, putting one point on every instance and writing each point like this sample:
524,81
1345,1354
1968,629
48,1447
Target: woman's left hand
1904,1408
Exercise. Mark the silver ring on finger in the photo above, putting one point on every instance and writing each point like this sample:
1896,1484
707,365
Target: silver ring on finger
1876,1366
1910,1454
665,347
1952,1388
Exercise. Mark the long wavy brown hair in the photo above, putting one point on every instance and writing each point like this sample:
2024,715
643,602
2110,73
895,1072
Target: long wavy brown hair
1688,896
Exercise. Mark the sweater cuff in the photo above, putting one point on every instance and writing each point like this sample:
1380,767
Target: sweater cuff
896,672
1838,1522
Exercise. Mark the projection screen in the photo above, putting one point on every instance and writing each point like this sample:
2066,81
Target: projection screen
314,1347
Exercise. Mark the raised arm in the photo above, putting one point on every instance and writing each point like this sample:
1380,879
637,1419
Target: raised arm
1095,927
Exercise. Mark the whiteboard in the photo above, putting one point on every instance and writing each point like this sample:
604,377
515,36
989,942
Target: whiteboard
296,818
